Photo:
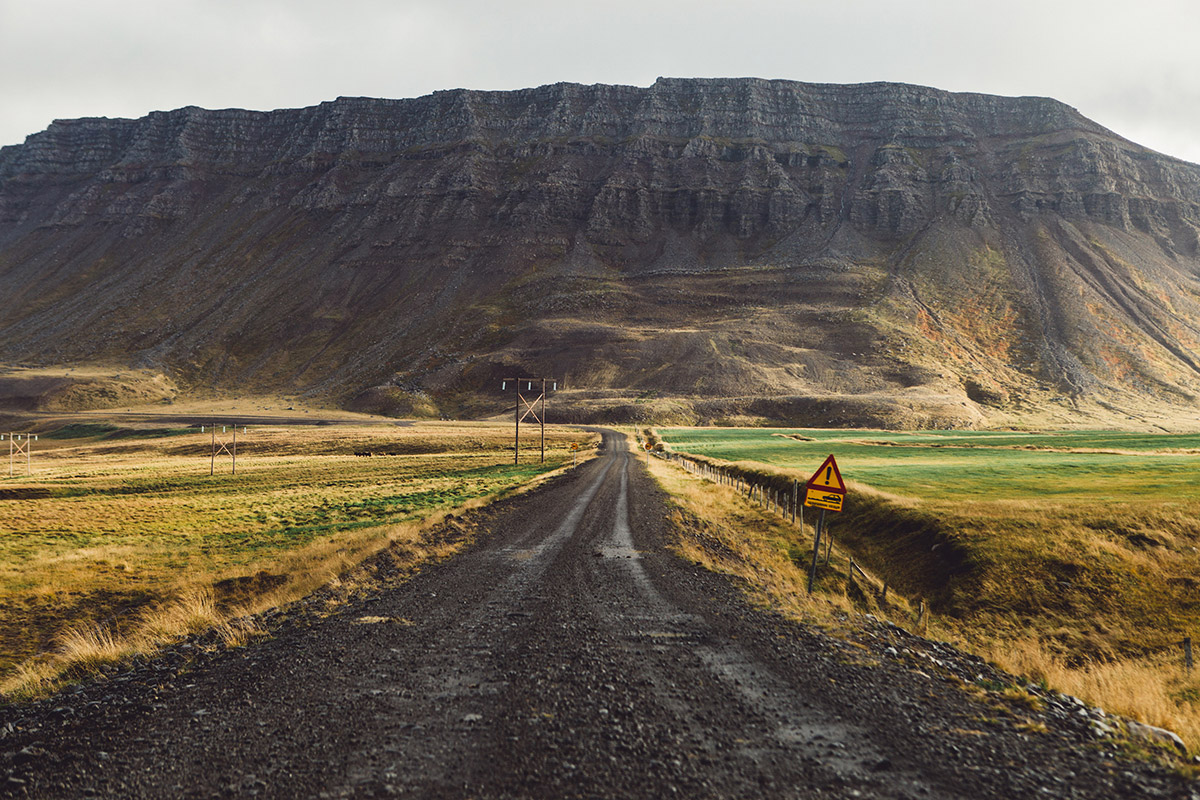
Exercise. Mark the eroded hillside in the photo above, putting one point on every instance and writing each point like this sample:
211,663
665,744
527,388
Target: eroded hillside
696,250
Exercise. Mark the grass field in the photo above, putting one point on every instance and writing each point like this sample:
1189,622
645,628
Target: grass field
117,527
1071,557
959,466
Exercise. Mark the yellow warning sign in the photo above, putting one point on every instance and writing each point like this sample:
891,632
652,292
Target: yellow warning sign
826,489
828,477
820,498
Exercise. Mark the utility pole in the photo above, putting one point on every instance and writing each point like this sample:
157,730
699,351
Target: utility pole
535,407
223,446
18,445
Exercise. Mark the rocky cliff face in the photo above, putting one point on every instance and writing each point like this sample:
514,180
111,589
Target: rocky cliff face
901,254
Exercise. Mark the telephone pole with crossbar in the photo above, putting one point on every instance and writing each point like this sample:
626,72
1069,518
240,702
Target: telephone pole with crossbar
18,445
535,407
223,446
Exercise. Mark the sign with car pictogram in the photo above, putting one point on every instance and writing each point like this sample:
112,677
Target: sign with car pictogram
826,489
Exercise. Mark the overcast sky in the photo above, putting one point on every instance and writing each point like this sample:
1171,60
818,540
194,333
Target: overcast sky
1131,66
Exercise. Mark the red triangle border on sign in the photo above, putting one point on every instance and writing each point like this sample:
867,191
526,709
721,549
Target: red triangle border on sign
841,484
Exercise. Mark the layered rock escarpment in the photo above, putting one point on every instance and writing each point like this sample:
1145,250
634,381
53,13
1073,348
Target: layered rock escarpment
700,238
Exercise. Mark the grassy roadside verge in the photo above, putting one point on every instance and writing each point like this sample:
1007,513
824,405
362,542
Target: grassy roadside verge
120,542
726,533
1068,594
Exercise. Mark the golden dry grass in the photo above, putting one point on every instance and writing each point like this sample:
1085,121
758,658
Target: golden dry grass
1089,598
121,541
726,533
1156,690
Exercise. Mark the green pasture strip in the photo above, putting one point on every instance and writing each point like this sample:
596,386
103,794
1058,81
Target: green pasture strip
82,430
102,430
971,465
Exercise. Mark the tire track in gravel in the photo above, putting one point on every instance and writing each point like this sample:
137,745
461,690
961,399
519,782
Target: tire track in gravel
567,653
658,689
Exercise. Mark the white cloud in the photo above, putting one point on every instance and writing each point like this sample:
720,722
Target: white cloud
1132,68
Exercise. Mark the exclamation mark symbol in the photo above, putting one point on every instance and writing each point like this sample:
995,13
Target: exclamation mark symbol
828,473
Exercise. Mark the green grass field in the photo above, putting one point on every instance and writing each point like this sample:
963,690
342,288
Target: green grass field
957,465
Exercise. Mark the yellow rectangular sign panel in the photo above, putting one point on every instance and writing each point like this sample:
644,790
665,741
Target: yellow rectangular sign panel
820,498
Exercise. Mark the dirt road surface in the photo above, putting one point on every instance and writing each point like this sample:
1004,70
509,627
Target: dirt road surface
566,653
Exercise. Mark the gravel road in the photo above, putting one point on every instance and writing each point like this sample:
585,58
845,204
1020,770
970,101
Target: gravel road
566,653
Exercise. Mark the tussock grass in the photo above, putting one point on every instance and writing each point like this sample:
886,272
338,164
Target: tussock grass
240,631
86,650
124,544
1156,690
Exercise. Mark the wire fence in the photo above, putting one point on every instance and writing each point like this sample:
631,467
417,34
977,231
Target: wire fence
780,495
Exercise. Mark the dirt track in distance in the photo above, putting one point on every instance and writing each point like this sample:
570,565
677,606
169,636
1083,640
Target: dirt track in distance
566,653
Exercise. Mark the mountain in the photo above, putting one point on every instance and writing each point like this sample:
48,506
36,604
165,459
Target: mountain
699,250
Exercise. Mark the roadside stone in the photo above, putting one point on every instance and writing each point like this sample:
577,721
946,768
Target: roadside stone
1152,734
28,754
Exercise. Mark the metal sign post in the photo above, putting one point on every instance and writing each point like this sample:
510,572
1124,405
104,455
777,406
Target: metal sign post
812,569
535,407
